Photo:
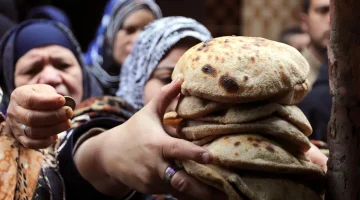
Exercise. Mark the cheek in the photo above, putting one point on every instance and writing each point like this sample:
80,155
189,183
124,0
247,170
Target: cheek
120,41
74,82
119,51
19,81
152,89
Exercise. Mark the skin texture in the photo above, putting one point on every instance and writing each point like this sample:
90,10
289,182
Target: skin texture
41,77
128,33
162,76
317,24
53,65
135,169
42,110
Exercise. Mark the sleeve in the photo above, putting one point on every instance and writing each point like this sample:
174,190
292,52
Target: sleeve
76,187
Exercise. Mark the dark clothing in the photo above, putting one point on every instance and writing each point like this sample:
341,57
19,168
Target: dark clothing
317,105
5,24
76,186
8,8
27,38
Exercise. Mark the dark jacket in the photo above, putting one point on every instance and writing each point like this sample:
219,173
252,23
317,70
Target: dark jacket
317,105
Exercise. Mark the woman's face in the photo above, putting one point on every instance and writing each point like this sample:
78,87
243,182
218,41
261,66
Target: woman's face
128,33
53,65
162,76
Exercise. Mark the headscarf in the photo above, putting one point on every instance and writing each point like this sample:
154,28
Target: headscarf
100,52
150,47
49,12
8,53
28,38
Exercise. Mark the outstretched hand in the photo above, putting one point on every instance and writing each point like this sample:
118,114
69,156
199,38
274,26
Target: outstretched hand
40,111
138,152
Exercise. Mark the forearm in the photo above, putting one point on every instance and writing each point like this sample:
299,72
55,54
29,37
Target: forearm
90,164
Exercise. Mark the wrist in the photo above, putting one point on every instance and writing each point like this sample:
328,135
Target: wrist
91,156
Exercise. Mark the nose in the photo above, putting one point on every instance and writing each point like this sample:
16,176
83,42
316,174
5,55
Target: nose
133,37
50,76
328,17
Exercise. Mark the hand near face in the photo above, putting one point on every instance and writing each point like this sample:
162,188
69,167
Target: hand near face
138,152
43,113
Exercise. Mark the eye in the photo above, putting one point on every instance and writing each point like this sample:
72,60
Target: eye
33,71
62,66
323,10
130,30
166,80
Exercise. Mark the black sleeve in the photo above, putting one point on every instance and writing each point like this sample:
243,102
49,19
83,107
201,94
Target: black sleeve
76,187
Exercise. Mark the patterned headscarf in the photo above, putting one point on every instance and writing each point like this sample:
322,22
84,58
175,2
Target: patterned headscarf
9,44
150,47
100,51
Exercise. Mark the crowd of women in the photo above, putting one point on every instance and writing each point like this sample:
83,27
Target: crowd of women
113,145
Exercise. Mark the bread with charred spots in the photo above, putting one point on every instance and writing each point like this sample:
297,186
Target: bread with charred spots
235,69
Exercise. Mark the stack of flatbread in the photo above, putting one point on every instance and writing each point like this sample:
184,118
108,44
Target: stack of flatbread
238,100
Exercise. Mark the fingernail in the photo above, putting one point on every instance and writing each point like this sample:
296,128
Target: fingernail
175,80
61,100
206,157
68,112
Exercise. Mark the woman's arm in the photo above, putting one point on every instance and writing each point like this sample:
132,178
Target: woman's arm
135,155
89,161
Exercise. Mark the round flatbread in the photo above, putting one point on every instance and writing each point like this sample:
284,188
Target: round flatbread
235,69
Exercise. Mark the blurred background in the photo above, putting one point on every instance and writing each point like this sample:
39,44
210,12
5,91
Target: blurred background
265,18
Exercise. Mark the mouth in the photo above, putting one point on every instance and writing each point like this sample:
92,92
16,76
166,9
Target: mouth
327,34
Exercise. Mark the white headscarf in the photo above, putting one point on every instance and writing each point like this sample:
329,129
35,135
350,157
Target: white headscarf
148,50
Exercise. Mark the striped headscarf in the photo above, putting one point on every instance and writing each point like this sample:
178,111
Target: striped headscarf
100,52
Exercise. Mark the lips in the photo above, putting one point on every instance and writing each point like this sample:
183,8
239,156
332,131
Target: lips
62,90
327,34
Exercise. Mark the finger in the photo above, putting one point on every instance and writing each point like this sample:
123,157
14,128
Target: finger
7,128
43,132
39,119
179,149
188,186
167,94
37,97
171,131
36,144
317,157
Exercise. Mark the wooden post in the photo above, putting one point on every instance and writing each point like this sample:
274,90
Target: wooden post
344,127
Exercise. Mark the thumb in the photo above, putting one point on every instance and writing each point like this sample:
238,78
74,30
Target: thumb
163,100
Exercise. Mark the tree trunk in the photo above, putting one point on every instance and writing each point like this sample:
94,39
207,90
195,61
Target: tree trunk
344,127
